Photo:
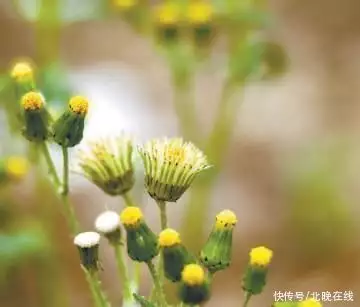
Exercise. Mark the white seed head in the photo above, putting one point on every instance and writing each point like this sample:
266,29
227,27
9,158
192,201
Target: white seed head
87,239
107,222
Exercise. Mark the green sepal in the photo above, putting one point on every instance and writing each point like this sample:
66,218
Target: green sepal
89,257
194,294
163,191
254,279
175,258
114,185
142,243
203,34
216,254
143,301
36,124
168,34
68,129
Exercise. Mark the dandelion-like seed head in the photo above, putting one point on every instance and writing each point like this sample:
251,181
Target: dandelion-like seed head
310,303
168,14
171,165
32,101
107,222
169,237
193,275
260,256
131,216
79,105
87,239
22,71
107,162
200,13
226,219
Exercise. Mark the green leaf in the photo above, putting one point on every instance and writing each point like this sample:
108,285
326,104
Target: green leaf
143,301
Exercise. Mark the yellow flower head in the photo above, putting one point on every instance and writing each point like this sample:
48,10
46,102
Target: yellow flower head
225,220
79,105
32,101
200,12
168,14
260,256
16,167
193,275
169,237
310,303
125,4
131,216
22,71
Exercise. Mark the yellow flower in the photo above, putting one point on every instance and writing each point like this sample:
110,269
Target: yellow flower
79,105
125,4
193,275
32,101
310,303
168,14
200,12
131,216
16,167
260,256
225,220
22,71
169,237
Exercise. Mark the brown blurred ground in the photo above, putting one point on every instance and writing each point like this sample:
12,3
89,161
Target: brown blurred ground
317,100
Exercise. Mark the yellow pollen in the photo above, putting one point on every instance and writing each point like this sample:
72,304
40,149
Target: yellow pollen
131,216
260,256
17,167
79,105
176,154
22,71
193,275
310,303
225,220
200,13
32,101
169,237
168,14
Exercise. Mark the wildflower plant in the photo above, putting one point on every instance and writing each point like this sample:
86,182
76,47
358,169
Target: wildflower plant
185,33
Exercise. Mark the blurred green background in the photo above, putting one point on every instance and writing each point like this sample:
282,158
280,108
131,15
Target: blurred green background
281,125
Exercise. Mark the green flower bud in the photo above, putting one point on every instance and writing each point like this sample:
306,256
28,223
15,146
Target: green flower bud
171,165
167,21
142,245
68,129
194,287
216,254
88,246
22,73
108,164
35,116
175,255
254,279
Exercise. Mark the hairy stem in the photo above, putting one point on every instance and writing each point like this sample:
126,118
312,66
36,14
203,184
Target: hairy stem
70,214
122,271
160,297
247,299
50,164
97,293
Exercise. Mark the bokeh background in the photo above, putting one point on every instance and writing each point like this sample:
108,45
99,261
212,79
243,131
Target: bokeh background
289,163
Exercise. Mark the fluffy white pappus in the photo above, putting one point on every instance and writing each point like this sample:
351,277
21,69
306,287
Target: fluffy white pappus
87,239
107,222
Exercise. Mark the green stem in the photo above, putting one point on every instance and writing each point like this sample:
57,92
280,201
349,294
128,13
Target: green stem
158,287
120,262
50,164
69,210
163,216
128,199
247,299
95,288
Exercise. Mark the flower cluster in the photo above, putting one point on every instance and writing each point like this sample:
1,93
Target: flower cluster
170,167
